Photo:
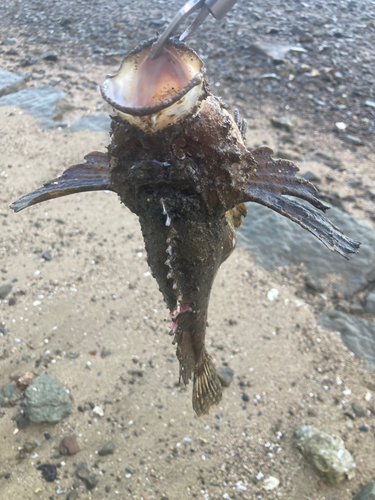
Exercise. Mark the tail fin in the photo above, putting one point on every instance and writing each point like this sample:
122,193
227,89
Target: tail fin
207,386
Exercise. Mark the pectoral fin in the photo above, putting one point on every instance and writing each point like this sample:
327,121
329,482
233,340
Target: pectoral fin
271,179
93,175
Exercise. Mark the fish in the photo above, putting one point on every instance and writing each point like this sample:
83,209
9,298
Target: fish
178,160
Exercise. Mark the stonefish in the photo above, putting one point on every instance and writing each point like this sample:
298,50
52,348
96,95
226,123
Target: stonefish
178,160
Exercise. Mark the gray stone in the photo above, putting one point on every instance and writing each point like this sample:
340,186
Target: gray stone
47,256
366,493
51,55
370,303
358,334
356,308
8,390
282,123
314,285
276,241
270,76
46,401
351,139
37,101
225,375
107,449
9,82
358,410
28,60
329,456
89,478
5,290
96,123
105,352
370,104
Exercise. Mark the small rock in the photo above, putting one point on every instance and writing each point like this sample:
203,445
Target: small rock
271,483
311,177
325,453
282,123
245,397
22,421
48,472
25,380
8,391
87,477
4,291
370,303
270,76
46,401
98,410
370,104
225,375
314,285
306,38
47,256
105,352
272,294
51,55
351,139
69,445
10,82
340,125
363,428
107,449
366,493
356,308
358,410
72,495
28,60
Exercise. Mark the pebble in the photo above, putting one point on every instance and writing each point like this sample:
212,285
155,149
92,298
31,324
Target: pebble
89,478
105,352
370,303
51,55
358,410
49,472
69,445
314,285
366,493
356,141
370,104
25,380
107,449
98,410
22,421
282,123
327,455
340,125
272,294
10,82
72,495
47,256
4,291
271,483
225,375
46,401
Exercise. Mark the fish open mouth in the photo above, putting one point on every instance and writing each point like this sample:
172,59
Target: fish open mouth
156,92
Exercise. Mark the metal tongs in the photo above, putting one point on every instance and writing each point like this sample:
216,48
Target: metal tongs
218,8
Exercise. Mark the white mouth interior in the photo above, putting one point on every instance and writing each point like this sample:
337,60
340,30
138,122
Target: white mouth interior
147,82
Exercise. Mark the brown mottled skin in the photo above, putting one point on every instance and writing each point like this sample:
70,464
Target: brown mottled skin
198,174
187,183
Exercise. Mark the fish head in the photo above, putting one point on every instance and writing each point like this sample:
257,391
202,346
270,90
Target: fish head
153,94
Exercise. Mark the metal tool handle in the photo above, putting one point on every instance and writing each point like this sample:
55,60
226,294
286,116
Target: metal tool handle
219,8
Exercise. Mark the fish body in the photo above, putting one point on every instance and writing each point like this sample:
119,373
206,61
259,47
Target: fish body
183,184
177,159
